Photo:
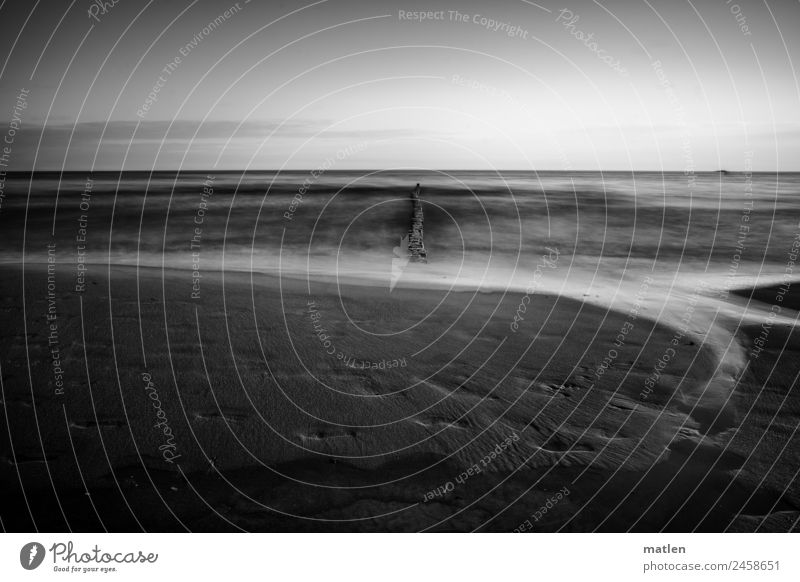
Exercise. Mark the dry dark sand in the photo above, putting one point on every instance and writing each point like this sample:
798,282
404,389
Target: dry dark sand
274,434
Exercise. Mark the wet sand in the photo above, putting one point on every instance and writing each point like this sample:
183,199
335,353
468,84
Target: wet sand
395,424
767,294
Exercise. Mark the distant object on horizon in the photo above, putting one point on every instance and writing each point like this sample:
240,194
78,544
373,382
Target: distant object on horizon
416,247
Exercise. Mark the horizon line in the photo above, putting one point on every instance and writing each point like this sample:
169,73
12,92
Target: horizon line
443,170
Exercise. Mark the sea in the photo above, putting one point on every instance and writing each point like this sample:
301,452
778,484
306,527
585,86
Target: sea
481,229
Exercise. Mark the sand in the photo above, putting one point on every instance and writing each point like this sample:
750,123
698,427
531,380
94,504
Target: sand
256,407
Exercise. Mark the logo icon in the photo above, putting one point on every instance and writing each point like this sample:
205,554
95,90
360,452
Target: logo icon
31,555
399,261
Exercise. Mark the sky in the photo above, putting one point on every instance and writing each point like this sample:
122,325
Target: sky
577,85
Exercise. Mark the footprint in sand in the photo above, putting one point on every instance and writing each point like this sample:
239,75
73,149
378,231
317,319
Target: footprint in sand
439,422
224,414
30,459
551,390
327,433
24,402
97,423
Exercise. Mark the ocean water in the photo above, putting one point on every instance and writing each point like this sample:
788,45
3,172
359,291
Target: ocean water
481,228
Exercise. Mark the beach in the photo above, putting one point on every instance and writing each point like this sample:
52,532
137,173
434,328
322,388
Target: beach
546,385
267,431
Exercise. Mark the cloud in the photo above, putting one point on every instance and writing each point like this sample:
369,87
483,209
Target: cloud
187,130
87,144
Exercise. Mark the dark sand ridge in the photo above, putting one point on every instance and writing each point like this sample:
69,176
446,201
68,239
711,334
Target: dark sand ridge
256,431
